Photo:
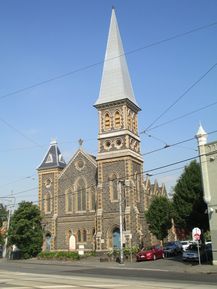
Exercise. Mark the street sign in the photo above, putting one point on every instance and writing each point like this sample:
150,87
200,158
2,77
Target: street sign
196,232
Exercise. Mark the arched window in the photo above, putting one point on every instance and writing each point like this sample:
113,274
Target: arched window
117,120
113,187
92,199
81,193
79,236
69,201
47,202
107,121
84,236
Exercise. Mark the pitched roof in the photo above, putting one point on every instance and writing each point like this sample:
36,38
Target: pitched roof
115,84
53,158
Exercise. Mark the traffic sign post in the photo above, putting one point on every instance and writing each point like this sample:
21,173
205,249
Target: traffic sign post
196,233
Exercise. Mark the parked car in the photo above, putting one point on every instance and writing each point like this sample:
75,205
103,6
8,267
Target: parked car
172,248
150,253
191,254
185,244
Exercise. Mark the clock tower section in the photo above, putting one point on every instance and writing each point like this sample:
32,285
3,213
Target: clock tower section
119,156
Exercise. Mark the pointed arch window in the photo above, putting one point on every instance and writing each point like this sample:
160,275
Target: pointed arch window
81,195
107,121
113,187
47,202
79,236
84,236
92,199
117,119
69,200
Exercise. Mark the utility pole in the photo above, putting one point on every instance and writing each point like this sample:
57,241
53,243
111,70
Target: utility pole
8,225
121,223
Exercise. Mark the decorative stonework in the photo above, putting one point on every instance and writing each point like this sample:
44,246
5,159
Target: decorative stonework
80,164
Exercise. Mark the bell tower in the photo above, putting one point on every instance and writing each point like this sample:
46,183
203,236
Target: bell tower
119,155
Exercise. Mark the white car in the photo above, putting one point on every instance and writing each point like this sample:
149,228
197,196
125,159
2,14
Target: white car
185,244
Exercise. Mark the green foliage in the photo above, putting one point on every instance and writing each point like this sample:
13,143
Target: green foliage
188,203
1,239
59,255
159,217
207,236
3,214
126,250
25,230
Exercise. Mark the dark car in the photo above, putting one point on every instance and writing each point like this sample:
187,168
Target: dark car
172,248
150,253
191,254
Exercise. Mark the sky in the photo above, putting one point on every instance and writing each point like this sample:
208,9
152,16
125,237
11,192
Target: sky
51,60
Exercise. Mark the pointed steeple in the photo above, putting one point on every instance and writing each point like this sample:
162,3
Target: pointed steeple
53,158
201,136
115,84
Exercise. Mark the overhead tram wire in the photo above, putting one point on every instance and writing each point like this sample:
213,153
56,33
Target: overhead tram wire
180,97
20,132
150,152
174,144
141,173
181,116
61,76
152,128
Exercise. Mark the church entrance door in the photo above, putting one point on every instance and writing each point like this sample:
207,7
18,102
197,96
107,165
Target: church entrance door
116,238
72,243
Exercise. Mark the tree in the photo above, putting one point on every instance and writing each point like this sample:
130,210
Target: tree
188,203
3,217
159,217
25,230
3,214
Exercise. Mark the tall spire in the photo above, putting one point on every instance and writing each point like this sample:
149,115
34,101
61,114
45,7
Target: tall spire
115,84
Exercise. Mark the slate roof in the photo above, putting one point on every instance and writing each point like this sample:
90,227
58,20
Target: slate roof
115,84
53,158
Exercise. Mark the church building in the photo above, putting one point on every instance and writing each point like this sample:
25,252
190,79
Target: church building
82,201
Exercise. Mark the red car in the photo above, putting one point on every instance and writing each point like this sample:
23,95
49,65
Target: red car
150,253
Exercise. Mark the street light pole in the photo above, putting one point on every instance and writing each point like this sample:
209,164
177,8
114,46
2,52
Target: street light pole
121,223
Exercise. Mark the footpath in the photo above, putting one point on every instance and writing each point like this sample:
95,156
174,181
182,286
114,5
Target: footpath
163,265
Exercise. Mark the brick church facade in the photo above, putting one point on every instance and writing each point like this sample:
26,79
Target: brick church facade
80,201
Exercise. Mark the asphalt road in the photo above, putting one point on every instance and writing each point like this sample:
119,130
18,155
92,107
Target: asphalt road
25,275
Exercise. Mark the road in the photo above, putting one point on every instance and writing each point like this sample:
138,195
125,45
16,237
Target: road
24,275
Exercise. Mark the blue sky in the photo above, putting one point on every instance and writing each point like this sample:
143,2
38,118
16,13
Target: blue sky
42,40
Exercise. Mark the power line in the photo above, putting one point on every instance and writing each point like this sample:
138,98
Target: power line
181,96
174,144
102,61
182,116
19,132
127,177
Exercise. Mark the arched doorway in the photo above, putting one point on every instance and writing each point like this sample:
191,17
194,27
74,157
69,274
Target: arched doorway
116,238
72,243
48,241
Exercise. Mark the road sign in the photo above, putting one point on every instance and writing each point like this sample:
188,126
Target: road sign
196,232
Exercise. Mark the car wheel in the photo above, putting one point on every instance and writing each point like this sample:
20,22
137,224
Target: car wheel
154,257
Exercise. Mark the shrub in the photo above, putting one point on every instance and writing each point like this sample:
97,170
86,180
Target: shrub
59,255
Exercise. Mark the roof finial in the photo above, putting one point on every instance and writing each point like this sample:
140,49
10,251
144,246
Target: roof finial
53,141
80,141
113,7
